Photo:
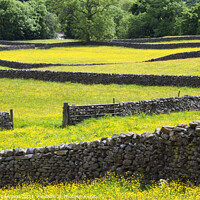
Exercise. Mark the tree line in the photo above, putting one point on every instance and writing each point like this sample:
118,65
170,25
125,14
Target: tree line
98,19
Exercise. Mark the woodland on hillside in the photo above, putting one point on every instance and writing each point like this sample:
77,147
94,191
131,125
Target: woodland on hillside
98,19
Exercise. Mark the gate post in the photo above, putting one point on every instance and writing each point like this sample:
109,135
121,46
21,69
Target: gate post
66,116
12,118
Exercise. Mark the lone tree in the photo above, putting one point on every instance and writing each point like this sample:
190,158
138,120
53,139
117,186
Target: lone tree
86,19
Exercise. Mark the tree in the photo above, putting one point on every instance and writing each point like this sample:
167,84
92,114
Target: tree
125,4
25,20
191,3
86,19
154,18
190,21
15,20
46,22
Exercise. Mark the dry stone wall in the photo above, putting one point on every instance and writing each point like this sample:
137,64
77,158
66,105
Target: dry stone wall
20,65
159,39
5,121
148,46
138,44
184,55
168,153
154,106
42,45
16,47
103,78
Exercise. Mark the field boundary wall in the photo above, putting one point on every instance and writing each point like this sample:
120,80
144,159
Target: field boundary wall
148,46
132,43
103,78
6,120
42,45
159,39
75,114
16,47
20,65
184,55
168,153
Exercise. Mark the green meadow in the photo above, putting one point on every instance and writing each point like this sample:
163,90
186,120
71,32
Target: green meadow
38,111
87,54
172,67
38,115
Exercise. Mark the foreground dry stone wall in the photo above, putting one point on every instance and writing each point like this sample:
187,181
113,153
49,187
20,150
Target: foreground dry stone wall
169,152
5,121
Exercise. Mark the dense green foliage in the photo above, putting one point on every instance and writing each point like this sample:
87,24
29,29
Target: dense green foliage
154,17
190,21
26,20
98,19
191,2
88,19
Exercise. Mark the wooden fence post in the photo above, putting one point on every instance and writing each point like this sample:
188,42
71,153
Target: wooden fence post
113,100
66,117
12,118
179,93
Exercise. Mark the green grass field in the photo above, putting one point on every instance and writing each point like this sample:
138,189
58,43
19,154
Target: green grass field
172,67
105,189
4,67
38,111
89,54
38,115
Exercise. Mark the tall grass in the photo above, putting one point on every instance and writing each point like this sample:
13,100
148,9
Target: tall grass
31,135
104,189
